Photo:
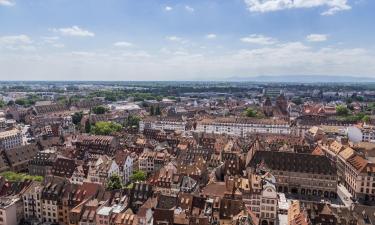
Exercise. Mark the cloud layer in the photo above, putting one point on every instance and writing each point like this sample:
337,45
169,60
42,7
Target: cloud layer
332,6
317,37
176,63
258,39
74,31
7,3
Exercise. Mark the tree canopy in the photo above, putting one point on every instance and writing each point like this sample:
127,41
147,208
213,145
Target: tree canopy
132,121
114,182
342,110
13,176
138,175
99,109
366,118
105,128
249,112
77,117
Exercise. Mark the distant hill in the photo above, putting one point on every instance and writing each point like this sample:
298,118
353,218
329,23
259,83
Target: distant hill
304,79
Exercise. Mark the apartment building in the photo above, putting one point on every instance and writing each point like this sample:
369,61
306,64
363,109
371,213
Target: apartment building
10,139
10,210
240,126
124,160
152,161
51,196
163,123
41,164
259,194
101,169
358,175
33,202
95,144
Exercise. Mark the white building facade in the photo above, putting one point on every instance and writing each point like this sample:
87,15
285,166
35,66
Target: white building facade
242,126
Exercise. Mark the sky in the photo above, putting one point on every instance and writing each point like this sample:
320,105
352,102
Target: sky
185,39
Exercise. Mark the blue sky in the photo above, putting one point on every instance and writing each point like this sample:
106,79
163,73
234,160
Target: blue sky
184,39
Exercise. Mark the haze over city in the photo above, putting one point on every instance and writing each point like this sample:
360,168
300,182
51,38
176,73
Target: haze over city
185,39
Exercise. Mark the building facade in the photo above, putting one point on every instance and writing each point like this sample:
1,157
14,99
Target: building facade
243,126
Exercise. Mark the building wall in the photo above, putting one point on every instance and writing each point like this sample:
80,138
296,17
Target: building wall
8,215
33,204
162,125
128,169
50,210
11,141
242,129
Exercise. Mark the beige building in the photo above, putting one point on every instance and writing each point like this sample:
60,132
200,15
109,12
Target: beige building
240,126
33,202
359,177
10,139
10,210
163,123
259,194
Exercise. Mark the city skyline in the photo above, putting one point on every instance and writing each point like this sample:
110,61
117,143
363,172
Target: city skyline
185,40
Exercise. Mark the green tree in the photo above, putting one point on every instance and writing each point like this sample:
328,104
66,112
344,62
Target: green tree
297,101
366,119
138,175
114,182
349,101
99,109
77,117
132,121
13,176
10,103
105,128
342,110
2,103
249,112
21,101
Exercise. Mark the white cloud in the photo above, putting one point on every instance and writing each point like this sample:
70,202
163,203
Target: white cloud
74,31
15,39
173,38
211,36
50,39
189,63
17,42
137,54
123,44
58,45
189,8
317,37
332,6
84,54
176,39
168,8
259,39
7,3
